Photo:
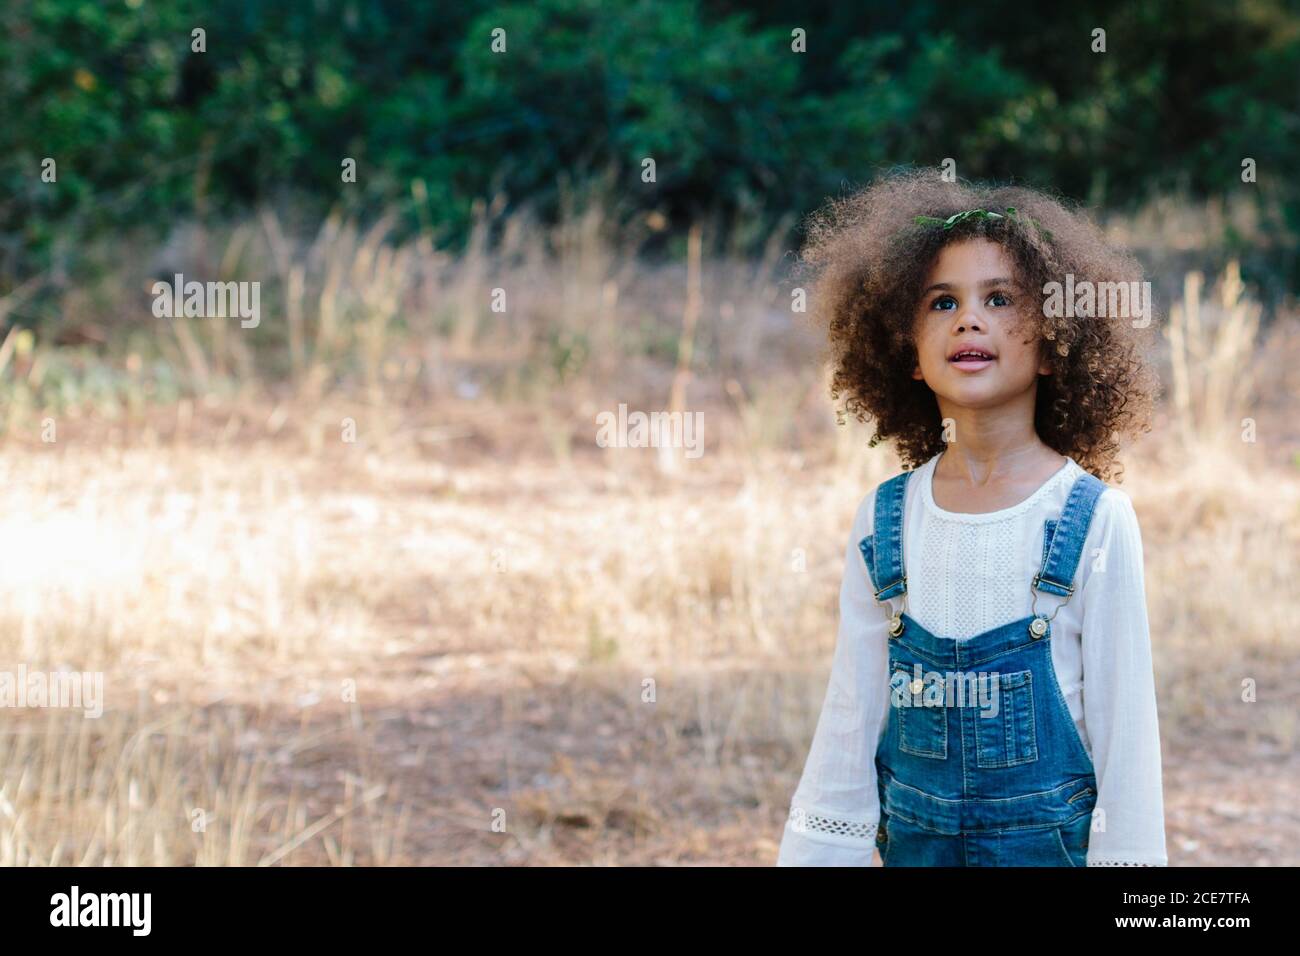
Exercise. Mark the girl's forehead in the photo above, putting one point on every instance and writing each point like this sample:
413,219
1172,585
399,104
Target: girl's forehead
975,258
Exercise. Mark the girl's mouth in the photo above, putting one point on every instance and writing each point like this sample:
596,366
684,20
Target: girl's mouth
971,360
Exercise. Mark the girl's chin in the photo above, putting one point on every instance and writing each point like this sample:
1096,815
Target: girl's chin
975,395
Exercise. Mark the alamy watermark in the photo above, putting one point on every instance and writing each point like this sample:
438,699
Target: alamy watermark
130,910
947,689
653,430
64,689
1099,300
209,300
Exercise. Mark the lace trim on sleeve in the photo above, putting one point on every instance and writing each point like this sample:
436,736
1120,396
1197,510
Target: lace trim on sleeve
814,823
1119,863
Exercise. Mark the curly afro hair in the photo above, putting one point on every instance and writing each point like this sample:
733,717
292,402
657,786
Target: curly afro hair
868,260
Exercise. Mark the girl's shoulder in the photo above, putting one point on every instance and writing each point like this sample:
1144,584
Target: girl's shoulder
1115,513
1113,518
864,517
1112,508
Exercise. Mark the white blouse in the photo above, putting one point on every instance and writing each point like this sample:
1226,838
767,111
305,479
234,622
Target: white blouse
968,573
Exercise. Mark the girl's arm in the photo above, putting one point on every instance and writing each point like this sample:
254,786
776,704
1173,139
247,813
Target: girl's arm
834,811
1119,696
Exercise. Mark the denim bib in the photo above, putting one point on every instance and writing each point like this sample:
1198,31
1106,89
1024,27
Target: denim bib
981,763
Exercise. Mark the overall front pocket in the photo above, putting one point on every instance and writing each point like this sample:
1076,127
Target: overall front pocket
1005,734
922,728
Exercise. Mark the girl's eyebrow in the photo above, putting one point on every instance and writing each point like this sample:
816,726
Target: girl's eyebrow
948,287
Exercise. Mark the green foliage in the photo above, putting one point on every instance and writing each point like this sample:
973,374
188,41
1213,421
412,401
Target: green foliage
146,132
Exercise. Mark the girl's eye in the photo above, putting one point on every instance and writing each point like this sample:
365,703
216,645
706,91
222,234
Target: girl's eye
947,302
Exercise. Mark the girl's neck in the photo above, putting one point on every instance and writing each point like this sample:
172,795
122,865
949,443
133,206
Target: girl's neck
992,462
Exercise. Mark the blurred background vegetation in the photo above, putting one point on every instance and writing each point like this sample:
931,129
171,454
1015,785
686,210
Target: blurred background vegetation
746,135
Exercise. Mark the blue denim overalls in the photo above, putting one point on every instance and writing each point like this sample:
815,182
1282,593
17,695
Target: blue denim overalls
981,763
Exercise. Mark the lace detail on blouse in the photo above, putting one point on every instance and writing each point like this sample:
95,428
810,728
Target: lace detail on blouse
959,583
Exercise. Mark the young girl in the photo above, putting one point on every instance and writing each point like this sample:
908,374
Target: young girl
991,699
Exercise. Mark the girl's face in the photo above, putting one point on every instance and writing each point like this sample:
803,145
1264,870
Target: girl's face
971,303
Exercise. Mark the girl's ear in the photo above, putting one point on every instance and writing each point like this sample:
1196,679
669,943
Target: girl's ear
916,373
1044,359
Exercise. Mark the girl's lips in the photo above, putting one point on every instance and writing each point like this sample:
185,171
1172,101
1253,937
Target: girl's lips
971,364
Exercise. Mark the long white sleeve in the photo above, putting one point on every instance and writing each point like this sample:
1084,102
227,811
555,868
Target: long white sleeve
1119,698
836,807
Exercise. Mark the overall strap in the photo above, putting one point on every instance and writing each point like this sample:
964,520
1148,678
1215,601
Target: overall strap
1061,557
883,548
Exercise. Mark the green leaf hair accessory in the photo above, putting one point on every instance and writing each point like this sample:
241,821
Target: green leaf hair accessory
960,217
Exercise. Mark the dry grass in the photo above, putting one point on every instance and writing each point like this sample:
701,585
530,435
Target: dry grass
471,635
